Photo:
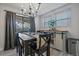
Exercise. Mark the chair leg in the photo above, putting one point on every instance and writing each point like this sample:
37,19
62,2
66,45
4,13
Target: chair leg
20,51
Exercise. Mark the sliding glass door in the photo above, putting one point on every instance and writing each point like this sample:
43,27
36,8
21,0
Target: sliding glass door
25,24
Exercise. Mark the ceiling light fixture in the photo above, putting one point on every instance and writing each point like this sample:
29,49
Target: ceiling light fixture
33,9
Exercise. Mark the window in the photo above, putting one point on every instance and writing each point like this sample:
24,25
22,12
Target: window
18,24
48,22
59,19
63,18
26,26
22,24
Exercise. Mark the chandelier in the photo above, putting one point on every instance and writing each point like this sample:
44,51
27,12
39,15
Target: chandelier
33,9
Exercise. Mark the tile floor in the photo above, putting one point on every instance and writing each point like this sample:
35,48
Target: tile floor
13,53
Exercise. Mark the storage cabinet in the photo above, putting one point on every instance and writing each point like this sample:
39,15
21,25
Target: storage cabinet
72,45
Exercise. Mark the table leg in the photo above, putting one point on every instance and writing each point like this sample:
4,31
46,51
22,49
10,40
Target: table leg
48,46
39,44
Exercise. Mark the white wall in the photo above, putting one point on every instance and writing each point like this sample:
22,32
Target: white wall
73,28
2,24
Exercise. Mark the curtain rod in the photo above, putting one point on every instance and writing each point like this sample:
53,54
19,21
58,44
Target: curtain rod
9,11
18,14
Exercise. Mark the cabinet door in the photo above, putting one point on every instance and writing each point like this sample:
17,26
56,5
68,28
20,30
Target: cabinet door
77,48
58,42
72,47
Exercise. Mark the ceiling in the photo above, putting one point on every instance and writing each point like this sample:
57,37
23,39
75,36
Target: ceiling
44,7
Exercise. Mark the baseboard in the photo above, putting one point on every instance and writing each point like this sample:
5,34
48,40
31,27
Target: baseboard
1,49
